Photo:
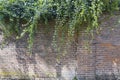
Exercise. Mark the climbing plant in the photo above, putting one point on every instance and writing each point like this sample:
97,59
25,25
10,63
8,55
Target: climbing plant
20,17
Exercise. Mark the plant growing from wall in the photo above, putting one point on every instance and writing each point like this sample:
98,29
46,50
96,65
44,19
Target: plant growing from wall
75,78
71,16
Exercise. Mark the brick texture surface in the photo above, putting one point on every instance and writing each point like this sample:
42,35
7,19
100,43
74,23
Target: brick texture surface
43,64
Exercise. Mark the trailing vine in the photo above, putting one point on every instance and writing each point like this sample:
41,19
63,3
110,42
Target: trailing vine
72,17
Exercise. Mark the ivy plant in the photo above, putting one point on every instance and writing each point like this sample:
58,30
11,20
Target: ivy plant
71,17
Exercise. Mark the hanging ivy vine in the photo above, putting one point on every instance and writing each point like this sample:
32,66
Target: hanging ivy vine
19,17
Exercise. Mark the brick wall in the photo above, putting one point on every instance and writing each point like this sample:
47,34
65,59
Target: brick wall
107,48
43,63
102,58
105,56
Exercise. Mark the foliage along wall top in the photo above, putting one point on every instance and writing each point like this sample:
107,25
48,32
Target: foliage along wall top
71,16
